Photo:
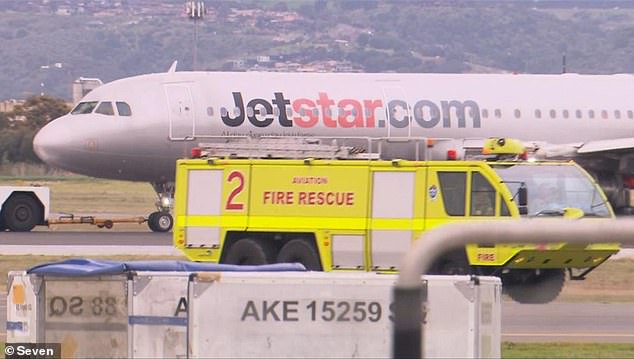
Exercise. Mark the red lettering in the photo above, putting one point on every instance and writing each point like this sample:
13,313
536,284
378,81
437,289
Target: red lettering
311,198
320,198
325,104
350,198
279,197
267,197
370,108
351,108
305,108
329,198
302,198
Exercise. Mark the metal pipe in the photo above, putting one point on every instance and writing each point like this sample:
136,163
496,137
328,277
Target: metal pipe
409,294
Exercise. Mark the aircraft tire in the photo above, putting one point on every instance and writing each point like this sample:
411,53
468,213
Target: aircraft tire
300,251
540,289
248,251
20,213
160,221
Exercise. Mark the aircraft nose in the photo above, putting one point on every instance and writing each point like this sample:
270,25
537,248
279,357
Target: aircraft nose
48,143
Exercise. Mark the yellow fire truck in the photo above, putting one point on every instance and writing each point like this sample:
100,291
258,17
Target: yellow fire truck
362,215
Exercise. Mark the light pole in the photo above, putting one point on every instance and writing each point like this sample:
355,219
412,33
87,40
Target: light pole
196,10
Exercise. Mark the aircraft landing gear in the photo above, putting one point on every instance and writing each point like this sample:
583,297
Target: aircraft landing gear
162,220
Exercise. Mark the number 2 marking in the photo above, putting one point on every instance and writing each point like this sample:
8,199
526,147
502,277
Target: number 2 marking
231,205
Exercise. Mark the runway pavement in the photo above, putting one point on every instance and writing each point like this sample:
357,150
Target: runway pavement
105,243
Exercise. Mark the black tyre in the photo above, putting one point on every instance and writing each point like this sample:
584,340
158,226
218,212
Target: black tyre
20,213
454,263
248,251
538,289
160,221
300,251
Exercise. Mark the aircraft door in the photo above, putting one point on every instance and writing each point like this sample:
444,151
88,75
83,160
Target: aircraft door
181,112
398,112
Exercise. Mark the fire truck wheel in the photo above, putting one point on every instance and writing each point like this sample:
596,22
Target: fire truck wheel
454,263
300,251
248,251
538,289
160,221
21,213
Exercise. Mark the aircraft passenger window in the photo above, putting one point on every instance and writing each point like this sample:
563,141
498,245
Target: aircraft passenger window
236,111
604,114
315,112
276,112
302,111
498,113
123,108
630,114
553,113
289,112
83,108
210,111
517,113
453,189
538,114
591,113
565,113
368,113
250,111
105,108
617,114
224,112
482,196
485,113
578,113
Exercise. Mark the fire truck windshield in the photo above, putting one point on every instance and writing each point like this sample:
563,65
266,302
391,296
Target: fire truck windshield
553,187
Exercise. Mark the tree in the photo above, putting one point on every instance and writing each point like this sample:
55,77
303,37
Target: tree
20,125
37,111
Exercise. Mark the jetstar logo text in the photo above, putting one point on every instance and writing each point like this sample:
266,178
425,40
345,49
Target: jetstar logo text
349,113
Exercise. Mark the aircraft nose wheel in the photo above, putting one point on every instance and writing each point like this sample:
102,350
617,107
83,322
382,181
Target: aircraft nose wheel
160,221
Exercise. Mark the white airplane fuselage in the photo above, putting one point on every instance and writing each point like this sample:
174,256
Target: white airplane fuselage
172,112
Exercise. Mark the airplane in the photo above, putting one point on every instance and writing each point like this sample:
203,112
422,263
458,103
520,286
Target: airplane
135,128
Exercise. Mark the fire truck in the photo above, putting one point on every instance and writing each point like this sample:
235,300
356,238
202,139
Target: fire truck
348,211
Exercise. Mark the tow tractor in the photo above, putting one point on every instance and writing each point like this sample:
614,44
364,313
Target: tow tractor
24,207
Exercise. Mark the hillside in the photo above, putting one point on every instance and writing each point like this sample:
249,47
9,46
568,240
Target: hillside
46,46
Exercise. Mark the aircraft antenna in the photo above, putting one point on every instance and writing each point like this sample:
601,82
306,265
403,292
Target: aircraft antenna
173,67
196,10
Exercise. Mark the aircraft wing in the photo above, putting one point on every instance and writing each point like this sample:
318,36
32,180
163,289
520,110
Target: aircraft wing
618,144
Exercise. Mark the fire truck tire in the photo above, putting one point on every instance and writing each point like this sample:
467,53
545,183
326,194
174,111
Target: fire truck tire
160,221
20,213
540,289
454,263
248,251
300,251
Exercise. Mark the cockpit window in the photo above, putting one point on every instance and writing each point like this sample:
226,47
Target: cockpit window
105,108
83,108
124,109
